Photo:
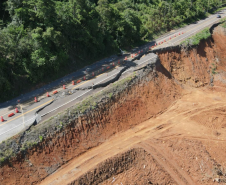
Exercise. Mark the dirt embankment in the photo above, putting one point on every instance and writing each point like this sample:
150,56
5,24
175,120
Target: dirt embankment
159,101
201,65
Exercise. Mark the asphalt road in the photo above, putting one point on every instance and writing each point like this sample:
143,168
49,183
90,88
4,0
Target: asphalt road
63,100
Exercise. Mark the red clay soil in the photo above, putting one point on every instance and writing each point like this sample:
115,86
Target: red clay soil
163,131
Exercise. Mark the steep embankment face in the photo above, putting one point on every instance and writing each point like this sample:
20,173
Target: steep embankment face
191,66
152,129
201,65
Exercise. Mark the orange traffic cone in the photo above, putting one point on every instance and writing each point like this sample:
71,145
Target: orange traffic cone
16,110
73,83
64,87
47,94
35,99
2,120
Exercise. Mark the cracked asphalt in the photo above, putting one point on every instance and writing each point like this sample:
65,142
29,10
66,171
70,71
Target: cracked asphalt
68,97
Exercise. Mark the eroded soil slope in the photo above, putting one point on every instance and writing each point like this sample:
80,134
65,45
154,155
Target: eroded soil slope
184,144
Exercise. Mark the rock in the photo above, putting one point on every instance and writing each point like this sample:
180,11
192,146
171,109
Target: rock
211,79
216,180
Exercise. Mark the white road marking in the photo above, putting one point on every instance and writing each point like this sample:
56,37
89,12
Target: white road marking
76,97
17,126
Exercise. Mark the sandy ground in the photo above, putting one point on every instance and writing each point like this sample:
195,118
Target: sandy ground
197,118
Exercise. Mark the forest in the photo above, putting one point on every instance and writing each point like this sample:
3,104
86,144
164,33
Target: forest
42,40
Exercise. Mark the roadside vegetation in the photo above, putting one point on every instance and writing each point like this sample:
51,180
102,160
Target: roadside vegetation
195,40
41,40
223,22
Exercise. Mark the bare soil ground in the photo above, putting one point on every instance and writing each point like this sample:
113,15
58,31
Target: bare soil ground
184,145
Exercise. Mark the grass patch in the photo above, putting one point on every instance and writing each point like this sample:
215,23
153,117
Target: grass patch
223,22
40,138
214,69
195,40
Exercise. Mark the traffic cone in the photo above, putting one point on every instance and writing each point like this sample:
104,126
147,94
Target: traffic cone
179,33
16,110
170,38
73,83
47,94
164,40
155,44
2,120
35,99
64,87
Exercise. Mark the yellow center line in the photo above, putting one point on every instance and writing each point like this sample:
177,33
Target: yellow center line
27,112
80,84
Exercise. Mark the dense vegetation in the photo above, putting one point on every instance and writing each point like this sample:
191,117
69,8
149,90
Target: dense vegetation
39,39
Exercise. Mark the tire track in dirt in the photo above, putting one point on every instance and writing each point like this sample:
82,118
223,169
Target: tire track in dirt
205,109
174,171
192,137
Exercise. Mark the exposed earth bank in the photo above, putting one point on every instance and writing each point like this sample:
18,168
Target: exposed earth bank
166,125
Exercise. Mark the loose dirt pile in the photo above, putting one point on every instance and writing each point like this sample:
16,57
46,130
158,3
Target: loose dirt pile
168,129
